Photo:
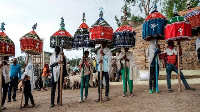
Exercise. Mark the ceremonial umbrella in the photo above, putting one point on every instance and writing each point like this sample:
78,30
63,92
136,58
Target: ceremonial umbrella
193,16
153,28
7,49
31,44
178,29
101,32
81,40
123,37
63,39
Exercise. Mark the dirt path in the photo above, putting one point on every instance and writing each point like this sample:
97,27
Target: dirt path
186,101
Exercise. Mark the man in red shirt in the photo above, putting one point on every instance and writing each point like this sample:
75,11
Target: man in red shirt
170,57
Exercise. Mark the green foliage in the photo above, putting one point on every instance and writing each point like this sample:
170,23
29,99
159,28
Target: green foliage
137,18
22,61
168,5
118,21
74,62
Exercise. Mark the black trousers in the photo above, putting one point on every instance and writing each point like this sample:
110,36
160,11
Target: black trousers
53,89
152,79
27,92
104,74
198,54
13,84
5,90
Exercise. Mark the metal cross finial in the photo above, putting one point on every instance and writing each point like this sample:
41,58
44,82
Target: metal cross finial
101,12
175,10
2,26
62,24
34,26
155,6
84,20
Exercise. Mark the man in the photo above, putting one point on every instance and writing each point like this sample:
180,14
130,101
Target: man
132,71
28,80
151,53
106,62
113,69
170,57
15,74
6,79
87,64
55,61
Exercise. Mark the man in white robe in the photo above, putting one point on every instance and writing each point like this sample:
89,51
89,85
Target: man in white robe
28,80
132,70
6,79
106,69
55,61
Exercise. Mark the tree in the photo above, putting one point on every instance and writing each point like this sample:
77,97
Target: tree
144,5
180,4
22,61
136,19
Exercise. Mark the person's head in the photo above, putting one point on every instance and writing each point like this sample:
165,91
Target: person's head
117,53
104,44
126,49
57,50
15,61
170,44
86,54
5,60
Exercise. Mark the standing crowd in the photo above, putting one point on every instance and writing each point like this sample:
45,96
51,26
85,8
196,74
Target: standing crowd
123,65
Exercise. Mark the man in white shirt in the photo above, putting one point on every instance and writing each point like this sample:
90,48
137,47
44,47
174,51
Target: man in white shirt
55,61
106,69
6,79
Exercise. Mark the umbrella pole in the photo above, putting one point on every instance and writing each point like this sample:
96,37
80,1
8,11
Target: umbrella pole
83,65
101,67
125,74
23,85
157,70
61,76
1,74
179,71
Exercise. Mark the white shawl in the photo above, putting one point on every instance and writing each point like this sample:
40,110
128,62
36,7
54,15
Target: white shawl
133,69
6,73
29,72
56,69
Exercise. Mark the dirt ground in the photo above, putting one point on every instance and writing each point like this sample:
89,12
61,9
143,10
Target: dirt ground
185,101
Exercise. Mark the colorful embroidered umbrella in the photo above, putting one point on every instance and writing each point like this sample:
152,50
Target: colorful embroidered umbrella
101,32
193,16
154,25
7,49
63,39
31,43
124,37
7,45
81,40
178,29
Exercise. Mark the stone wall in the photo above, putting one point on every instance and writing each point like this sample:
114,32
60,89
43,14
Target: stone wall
189,58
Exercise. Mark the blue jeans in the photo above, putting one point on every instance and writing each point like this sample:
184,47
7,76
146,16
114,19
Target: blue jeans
86,79
169,69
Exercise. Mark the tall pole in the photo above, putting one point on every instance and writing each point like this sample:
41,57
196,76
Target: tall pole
125,74
179,70
61,76
83,65
157,90
101,67
1,74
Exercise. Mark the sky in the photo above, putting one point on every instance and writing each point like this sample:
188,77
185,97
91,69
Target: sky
20,15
